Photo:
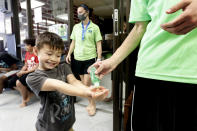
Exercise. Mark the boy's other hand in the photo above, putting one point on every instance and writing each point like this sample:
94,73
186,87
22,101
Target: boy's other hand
184,23
68,59
20,73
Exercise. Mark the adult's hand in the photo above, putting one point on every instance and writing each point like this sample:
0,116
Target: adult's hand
184,23
68,59
103,67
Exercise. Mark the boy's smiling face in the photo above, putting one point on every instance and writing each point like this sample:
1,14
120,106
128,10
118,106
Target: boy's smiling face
48,57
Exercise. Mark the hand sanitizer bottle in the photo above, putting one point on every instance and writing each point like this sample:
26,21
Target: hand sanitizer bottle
95,80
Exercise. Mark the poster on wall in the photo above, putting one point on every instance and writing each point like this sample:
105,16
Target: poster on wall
8,25
59,7
11,44
60,29
2,4
38,15
2,18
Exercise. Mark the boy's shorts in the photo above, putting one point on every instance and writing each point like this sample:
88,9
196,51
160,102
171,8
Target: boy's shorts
12,81
22,79
81,67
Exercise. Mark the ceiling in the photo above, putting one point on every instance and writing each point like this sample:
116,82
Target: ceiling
103,8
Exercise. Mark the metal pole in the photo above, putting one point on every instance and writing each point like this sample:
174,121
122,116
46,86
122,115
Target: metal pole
130,68
16,27
70,17
128,76
117,89
29,19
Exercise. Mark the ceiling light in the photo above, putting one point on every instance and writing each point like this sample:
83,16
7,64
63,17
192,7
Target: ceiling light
20,15
50,22
34,4
63,16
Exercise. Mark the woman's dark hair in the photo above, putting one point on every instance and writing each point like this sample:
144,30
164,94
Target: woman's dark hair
84,6
30,41
90,10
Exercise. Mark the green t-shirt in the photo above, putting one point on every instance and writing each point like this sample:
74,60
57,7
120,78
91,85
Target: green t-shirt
162,55
85,49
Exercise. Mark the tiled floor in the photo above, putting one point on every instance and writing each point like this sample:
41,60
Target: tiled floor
14,118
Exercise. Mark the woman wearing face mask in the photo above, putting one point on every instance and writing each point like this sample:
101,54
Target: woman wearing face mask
86,44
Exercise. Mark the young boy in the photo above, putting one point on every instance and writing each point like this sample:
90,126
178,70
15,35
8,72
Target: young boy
19,80
55,84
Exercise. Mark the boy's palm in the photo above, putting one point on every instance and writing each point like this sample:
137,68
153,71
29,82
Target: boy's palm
99,93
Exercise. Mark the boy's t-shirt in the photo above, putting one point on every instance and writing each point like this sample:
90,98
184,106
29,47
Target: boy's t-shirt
57,111
31,60
162,55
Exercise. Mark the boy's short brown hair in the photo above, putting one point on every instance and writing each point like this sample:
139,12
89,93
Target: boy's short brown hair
51,39
30,41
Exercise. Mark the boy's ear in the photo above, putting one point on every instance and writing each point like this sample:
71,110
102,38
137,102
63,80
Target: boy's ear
35,50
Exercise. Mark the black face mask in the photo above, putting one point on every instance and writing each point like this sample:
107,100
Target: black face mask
82,17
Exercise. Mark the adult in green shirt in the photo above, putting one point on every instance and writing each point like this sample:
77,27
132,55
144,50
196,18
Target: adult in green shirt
166,72
86,44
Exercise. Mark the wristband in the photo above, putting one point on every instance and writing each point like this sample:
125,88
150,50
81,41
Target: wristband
98,60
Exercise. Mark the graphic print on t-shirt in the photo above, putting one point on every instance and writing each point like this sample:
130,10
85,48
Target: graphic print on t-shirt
31,63
60,107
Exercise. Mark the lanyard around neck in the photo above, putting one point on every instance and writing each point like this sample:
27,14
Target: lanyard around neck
84,30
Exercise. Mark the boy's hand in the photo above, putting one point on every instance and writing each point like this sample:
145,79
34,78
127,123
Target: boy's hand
20,73
99,93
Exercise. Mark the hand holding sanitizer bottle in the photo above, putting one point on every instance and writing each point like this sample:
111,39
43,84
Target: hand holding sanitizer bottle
95,80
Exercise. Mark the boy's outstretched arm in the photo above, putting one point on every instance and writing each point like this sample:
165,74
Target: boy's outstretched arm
76,89
60,86
101,95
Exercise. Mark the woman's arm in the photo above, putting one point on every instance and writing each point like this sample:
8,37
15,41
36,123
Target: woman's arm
99,50
130,43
